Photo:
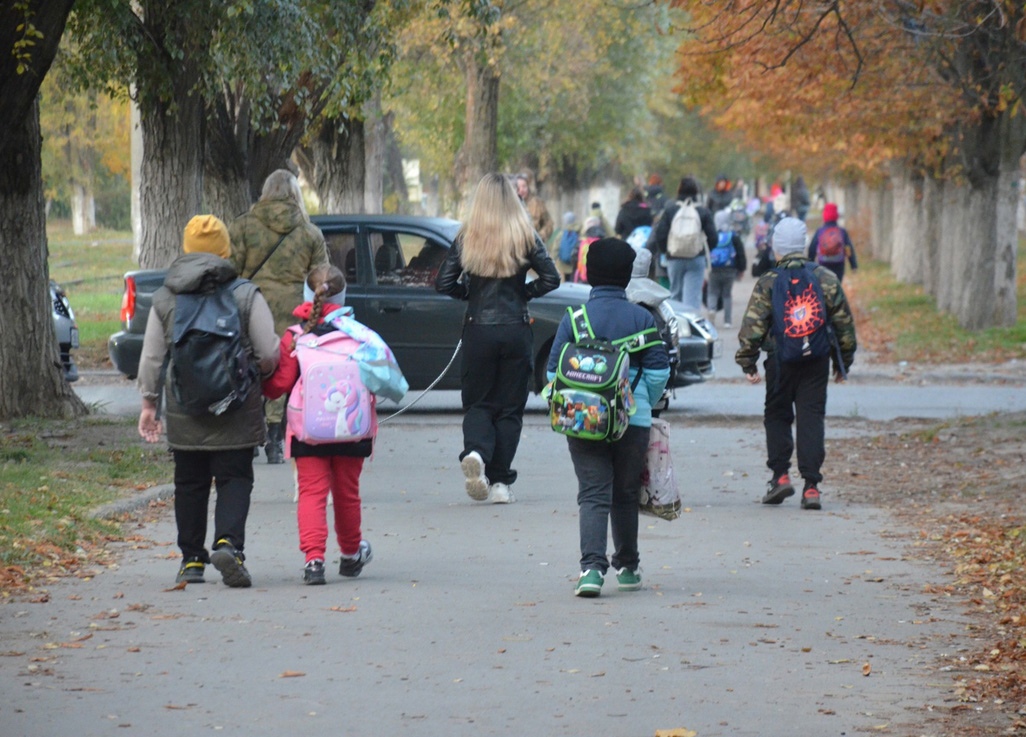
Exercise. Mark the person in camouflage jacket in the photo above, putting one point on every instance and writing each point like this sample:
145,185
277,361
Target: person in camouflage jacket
278,219
795,392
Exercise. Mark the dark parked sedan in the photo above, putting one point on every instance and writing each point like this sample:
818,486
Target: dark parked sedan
390,263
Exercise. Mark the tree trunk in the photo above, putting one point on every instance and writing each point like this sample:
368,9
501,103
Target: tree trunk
33,380
334,164
83,209
395,172
479,153
171,190
374,155
907,245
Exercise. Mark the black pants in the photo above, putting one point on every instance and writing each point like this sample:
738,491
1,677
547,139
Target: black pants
232,472
796,392
495,382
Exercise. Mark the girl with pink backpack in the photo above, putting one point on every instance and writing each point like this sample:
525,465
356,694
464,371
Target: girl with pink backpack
332,367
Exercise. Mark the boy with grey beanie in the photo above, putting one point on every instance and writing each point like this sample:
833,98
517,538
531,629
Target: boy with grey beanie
796,391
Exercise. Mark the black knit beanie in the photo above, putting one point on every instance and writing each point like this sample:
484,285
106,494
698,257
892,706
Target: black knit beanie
609,262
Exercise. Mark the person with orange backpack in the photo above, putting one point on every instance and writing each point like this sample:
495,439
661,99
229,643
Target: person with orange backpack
831,245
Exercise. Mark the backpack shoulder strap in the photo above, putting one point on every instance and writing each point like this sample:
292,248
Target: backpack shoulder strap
244,292
579,322
640,340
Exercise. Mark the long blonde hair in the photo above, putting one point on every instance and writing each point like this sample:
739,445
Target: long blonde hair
498,234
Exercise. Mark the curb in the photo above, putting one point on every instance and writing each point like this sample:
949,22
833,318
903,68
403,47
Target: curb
134,503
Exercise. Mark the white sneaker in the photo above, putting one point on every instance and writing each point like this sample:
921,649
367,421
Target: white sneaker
500,494
477,483
727,325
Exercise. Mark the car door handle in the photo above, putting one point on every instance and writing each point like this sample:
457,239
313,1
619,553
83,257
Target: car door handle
391,307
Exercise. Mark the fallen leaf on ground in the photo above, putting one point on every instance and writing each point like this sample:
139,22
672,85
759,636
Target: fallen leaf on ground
866,669
679,732
291,674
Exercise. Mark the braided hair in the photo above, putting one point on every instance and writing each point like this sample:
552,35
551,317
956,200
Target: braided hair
325,282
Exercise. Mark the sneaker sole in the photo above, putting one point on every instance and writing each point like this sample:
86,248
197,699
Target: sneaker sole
588,592
233,574
778,495
629,586
814,506
190,579
477,484
321,581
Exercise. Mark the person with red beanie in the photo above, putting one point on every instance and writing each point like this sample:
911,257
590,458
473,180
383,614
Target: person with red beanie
831,245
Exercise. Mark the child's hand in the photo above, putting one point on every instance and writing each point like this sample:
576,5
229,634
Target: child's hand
753,378
150,427
839,377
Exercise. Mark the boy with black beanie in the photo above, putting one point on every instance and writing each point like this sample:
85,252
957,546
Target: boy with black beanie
609,473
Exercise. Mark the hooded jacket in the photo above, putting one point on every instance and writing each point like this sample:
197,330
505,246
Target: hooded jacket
239,428
281,277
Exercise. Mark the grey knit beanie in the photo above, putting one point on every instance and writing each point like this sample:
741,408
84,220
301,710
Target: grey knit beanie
788,237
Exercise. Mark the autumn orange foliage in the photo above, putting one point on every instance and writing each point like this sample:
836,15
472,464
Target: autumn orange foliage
843,83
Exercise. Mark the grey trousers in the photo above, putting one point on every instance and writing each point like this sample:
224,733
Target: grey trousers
608,482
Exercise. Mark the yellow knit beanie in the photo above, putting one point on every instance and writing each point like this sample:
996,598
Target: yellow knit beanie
207,234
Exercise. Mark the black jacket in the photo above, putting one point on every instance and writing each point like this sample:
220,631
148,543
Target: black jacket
493,301
632,214
657,241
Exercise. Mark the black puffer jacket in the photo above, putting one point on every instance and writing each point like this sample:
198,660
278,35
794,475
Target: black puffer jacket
493,301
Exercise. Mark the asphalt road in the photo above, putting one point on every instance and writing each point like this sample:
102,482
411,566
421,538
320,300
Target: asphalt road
753,620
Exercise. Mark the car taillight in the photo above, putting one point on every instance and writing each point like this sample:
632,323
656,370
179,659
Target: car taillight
128,300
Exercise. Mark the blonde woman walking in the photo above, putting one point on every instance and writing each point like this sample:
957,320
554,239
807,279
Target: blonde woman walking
487,267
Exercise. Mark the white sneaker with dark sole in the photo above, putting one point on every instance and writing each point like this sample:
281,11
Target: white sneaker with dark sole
473,469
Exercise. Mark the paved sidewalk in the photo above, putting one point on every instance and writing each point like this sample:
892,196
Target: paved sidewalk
753,620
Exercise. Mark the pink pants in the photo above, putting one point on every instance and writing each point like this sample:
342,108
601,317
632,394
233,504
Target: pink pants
339,475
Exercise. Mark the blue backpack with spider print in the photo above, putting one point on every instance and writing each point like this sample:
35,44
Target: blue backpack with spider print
801,326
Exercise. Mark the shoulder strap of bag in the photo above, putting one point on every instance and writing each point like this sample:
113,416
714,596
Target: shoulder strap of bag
270,253
579,322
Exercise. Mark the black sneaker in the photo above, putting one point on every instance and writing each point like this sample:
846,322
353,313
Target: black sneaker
228,561
779,489
191,571
810,497
351,567
313,574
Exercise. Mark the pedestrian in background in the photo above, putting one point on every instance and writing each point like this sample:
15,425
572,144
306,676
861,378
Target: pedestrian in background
634,213
686,274
540,218
275,245
800,198
609,473
207,447
487,267
727,265
565,244
796,392
831,245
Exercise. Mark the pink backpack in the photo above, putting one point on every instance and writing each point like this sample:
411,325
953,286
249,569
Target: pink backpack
329,403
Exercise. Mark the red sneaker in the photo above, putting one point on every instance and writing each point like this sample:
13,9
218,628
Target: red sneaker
780,489
810,498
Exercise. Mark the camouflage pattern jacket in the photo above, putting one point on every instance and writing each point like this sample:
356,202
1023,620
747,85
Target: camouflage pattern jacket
757,326
281,278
